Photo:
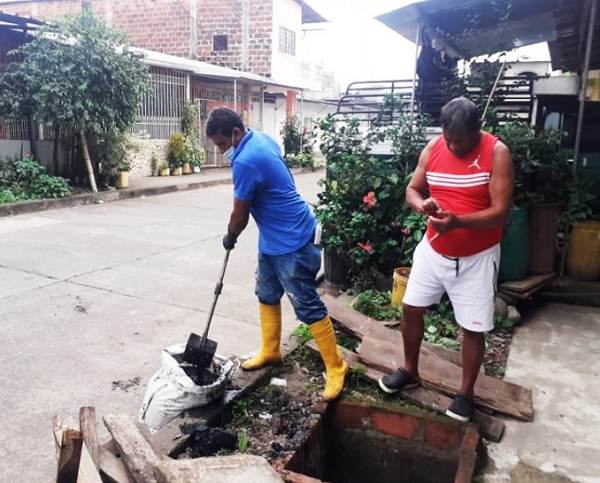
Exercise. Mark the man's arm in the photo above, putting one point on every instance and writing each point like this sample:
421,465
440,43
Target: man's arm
501,191
239,216
417,187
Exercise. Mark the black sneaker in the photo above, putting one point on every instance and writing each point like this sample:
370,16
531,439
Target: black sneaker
461,408
397,380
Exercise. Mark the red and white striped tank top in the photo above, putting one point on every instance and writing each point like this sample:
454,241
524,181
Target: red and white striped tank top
461,185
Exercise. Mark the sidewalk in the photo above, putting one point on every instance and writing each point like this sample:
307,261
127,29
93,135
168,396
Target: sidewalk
555,352
138,187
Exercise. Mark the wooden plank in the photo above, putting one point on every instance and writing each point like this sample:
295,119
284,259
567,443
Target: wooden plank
69,457
136,452
360,325
87,471
491,393
112,468
491,427
528,283
87,424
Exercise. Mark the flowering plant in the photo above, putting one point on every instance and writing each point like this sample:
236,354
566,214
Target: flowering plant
362,205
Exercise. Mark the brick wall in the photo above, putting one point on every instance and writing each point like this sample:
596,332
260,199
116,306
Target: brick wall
166,26
224,17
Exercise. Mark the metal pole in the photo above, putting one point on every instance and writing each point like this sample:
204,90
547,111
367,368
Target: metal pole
414,84
302,118
235,95
584,81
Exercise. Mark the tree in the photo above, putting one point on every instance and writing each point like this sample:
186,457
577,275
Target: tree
76,74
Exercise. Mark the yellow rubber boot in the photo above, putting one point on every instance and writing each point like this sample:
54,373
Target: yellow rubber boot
270,324
335,365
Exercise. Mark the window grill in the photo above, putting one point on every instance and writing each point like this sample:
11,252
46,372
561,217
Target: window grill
220,42
287,41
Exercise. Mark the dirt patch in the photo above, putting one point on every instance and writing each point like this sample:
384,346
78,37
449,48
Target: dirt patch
126,385
275,419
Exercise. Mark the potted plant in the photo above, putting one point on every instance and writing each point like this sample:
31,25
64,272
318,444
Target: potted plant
114,149
122,176
154,164
176,153
542,174
193,155
163,169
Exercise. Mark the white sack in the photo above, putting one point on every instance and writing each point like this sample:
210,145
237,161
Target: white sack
170,391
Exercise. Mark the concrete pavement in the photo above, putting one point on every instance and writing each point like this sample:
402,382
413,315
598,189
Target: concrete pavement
90,294
556,352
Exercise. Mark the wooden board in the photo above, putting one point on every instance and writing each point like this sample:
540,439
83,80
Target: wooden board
112,468
135,451
87,424
360,326
491,393
491,427
87,470
527,284
69,456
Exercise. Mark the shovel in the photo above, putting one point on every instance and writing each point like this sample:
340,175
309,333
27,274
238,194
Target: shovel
200,350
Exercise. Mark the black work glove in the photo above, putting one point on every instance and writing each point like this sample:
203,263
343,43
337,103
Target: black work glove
229,240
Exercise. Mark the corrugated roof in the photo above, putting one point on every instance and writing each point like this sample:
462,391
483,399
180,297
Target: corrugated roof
469,28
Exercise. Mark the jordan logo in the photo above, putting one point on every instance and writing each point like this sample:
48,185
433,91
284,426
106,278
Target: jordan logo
475,164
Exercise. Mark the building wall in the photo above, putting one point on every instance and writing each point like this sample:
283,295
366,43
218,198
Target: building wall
181,27
248,27
286,69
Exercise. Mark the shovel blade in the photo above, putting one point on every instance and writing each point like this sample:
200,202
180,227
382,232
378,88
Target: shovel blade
199,351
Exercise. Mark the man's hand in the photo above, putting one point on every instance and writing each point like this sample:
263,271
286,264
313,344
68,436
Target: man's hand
442,221
229,240
428,207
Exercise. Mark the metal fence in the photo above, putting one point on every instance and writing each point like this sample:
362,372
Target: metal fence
162,108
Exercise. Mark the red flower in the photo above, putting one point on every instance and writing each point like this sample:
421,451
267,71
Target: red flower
406,231
370,200
365,246
27,155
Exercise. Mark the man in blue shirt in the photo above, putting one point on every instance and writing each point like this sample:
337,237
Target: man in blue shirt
289,255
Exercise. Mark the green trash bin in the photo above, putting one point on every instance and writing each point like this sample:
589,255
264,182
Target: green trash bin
514,247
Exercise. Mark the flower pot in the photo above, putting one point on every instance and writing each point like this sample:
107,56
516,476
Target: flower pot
337,269
583,260
174,171
543,231
399,288
164,172
122,180
196,169
187,168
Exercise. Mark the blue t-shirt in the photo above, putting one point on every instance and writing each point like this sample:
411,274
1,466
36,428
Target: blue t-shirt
260,175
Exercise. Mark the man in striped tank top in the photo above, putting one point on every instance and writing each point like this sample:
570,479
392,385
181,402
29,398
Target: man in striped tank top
463,184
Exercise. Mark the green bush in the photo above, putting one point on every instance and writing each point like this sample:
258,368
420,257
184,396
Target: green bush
362,205
25,179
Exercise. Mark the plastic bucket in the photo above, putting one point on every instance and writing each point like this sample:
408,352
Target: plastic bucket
514,247
400,280
583,262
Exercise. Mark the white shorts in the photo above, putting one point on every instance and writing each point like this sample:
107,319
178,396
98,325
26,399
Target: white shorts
469,281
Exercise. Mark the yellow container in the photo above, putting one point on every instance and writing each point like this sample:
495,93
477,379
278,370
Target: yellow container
122,180
583,261
400,280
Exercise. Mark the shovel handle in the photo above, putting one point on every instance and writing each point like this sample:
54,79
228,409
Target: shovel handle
218,288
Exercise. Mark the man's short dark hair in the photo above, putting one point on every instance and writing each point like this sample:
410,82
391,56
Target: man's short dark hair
460,114
222,120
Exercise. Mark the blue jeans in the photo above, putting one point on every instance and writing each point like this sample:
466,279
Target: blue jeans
293,273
